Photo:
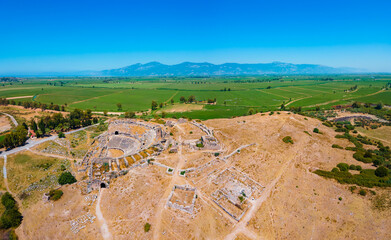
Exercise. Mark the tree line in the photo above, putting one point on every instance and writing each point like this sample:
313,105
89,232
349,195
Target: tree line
33,105
77,118
57,122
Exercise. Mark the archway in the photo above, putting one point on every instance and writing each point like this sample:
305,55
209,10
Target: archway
116,133
102,185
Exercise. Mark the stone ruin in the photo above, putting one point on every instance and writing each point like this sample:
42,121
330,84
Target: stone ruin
234,188
126,144
79,223
208,141
182,198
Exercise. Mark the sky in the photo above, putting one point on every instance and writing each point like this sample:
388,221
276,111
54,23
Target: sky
74,35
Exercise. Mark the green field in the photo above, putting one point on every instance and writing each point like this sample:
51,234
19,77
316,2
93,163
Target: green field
241,93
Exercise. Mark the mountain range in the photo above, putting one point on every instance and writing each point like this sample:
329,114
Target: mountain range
226,69
191,69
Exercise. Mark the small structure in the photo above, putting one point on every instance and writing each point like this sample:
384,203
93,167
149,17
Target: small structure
182,198
32,134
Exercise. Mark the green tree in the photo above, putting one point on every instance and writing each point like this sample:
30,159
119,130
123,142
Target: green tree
379,106
147,227
55,194
154,105
11,218
66,178
8,201
130,114
61,135
191,99
119,106
182,99
381,171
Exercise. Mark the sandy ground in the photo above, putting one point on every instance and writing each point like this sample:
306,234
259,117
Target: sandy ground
294,204
182,108
5,124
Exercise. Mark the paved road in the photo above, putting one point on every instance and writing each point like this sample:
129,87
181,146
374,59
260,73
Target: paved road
5,167
12,119
31,143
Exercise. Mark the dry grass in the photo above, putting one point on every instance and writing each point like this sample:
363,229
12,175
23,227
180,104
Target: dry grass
25,168
182,108
296,204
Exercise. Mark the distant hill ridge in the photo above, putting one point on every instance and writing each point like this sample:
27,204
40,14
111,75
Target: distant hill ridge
226,69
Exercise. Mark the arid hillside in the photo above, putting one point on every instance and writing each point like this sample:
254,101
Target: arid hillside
254,183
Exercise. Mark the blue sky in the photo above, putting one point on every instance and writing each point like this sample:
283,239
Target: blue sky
54,35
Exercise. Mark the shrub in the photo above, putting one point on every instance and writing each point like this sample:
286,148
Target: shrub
316,130
366,178
307,133
376,162
352,188
200,145
217,154
66,178
55,194
327,124
352,167
11,218
287,139
358,168
147,227
334,170
12,235
61,135
8,201
362,192
62,168
343,167
381,171
336,146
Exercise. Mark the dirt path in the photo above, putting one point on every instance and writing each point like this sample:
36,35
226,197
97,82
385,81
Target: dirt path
12,119
104,229
53,155
162,203
110,113
10,98
6,182
241,227
296,100
172,97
